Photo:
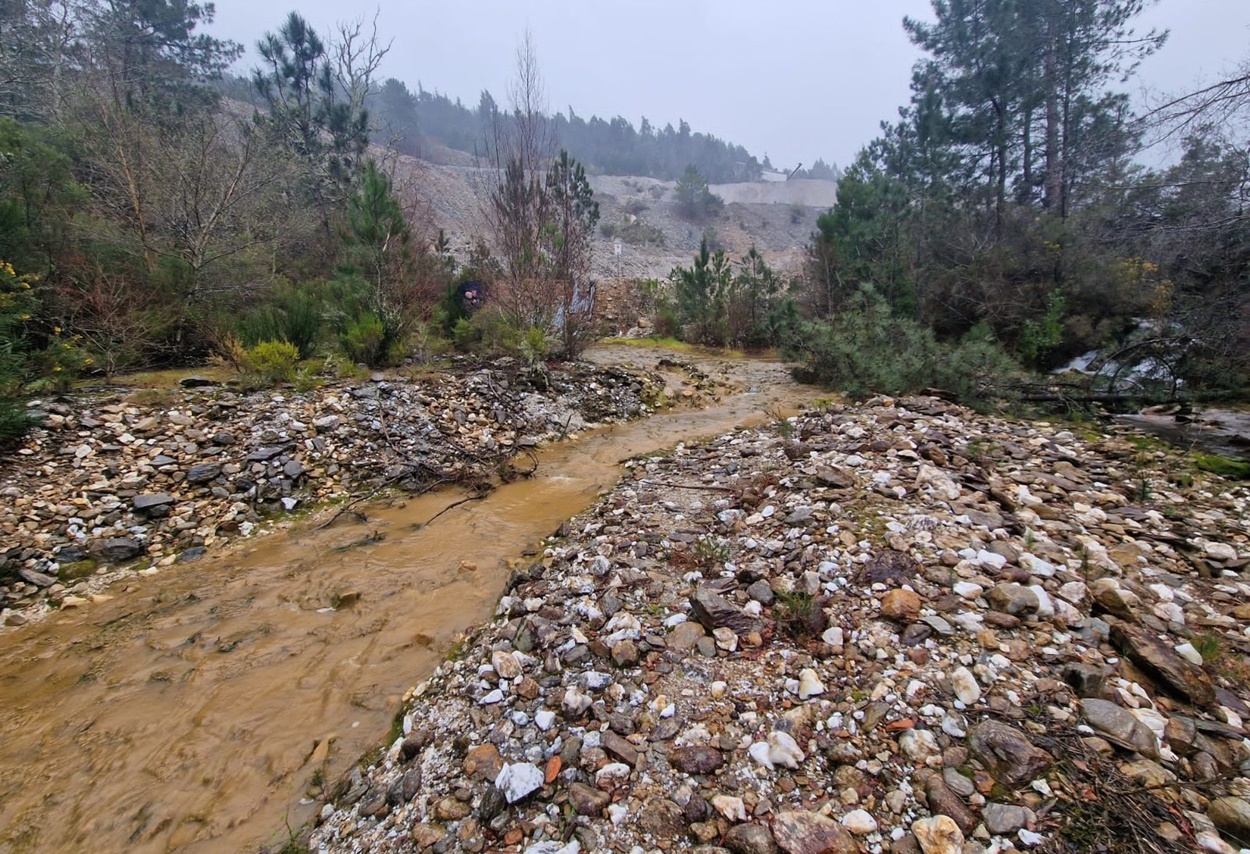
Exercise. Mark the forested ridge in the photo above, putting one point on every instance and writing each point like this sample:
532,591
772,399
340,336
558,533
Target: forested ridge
408,120
155,211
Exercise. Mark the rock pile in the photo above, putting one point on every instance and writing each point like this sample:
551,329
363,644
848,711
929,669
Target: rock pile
892,627
107,481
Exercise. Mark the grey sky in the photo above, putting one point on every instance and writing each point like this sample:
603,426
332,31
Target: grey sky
794,79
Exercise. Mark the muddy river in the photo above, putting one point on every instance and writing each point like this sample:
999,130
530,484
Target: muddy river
201,709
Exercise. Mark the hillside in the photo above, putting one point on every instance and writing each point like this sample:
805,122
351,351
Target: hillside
777,217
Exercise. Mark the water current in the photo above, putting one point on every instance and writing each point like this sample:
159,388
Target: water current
198,709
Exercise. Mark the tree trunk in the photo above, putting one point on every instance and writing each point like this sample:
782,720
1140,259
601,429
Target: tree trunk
1053,196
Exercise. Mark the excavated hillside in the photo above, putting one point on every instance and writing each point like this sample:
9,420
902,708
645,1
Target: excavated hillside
776,217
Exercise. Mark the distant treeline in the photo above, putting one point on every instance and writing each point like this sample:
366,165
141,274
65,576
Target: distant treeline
610,147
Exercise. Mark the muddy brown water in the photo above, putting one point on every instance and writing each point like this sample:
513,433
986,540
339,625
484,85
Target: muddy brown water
198,709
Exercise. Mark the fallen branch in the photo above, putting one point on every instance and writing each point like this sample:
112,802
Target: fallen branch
476,497
390,481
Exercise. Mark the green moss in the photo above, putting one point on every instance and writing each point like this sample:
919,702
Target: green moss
78,569
1223,466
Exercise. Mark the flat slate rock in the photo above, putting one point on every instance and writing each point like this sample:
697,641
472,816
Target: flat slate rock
119,548
203,473
1176,675
715,611
153,499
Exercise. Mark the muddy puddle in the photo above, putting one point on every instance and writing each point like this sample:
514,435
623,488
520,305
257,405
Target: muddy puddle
198,709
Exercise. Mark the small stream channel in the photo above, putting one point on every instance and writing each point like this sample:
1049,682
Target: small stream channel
195,710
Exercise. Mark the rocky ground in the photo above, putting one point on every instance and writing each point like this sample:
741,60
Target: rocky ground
118,483
898,626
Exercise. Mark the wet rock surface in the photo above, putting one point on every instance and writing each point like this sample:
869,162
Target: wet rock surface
108,481
973,635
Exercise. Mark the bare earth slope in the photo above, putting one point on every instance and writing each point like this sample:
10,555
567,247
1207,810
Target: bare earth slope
777,217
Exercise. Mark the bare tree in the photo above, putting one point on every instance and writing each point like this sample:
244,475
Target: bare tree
217,193
519,201
37,47
1224,104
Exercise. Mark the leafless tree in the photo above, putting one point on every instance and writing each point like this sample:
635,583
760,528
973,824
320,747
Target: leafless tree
520,205
1224,104
37,46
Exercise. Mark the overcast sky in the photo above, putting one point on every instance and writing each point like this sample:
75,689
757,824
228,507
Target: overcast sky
792,79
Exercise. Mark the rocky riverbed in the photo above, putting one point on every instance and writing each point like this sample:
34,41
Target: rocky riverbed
117,484
898,626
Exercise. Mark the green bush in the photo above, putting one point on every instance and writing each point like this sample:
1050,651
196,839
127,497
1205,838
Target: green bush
272,362
17,304
636,233
59,364
534,346
296,318
303,323
866,350
1039,338
364,339
488,332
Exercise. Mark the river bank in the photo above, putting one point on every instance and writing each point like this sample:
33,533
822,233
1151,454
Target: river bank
899,626
208,706
136,481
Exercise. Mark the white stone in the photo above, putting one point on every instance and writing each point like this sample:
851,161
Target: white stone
918,744
943,487
596,681
1219,551
784,750
718,689
968,590
1169,612
1067,612
938,835
1074,591
1162,592
1029,838
1045,605
809,684
859,822
1154,720
544,718
1036,565
991,559
965,686
834,637
493,697
516,780
730,807
575,701
953,725
759,752
725,639
612,775
552,847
